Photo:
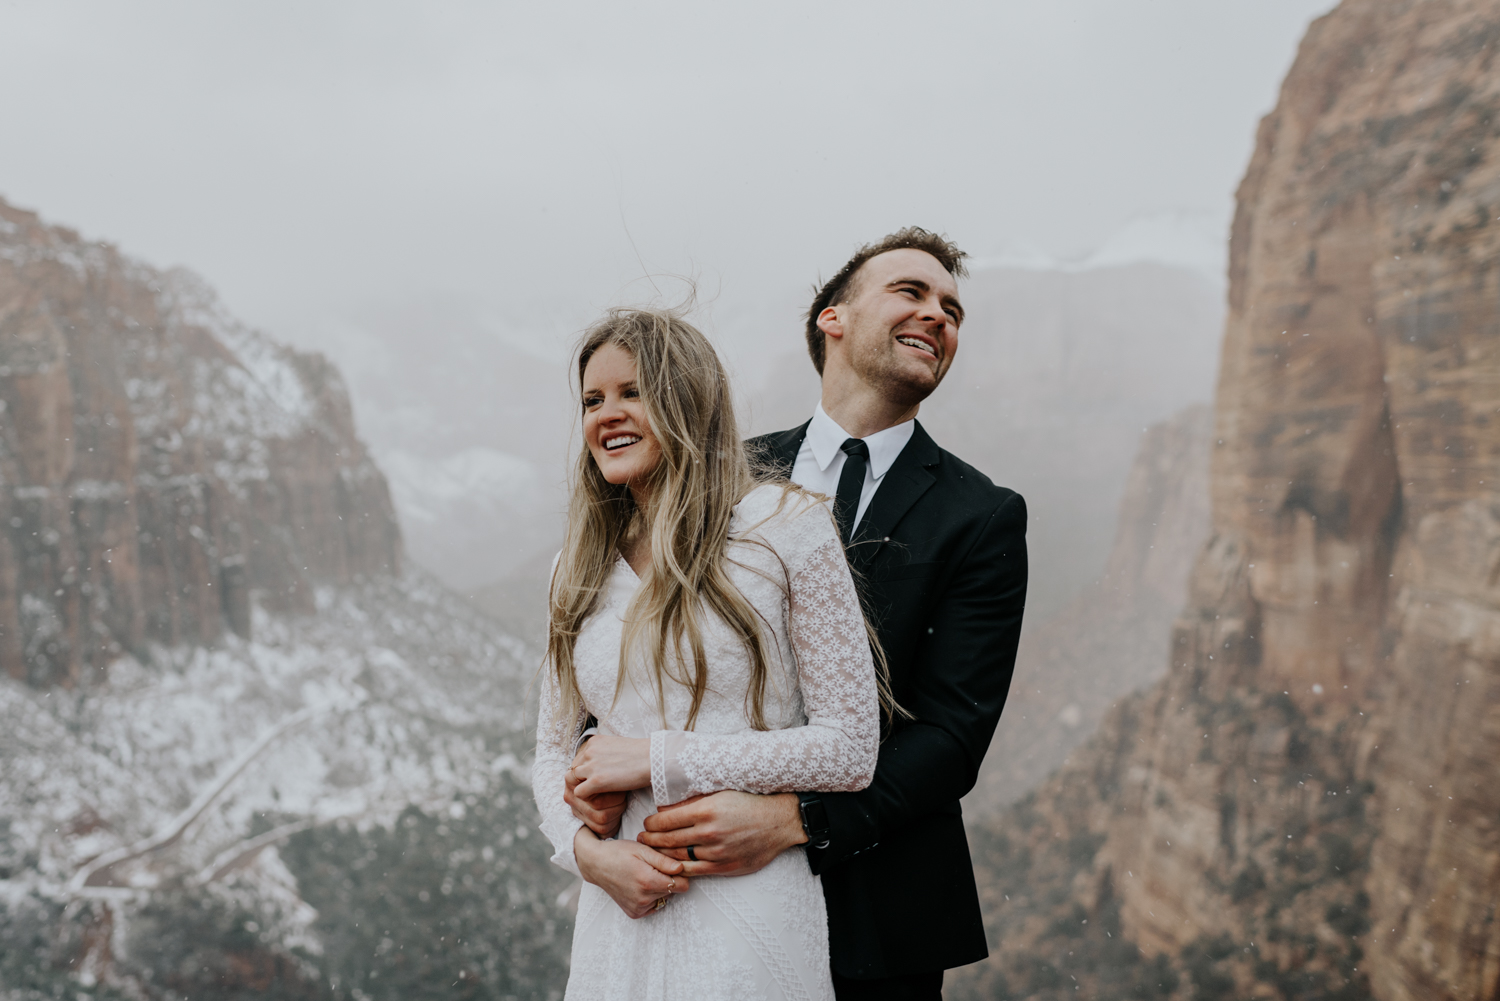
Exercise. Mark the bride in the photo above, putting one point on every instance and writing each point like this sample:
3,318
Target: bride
709,623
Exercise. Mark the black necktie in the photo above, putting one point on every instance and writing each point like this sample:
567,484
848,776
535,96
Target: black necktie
851,482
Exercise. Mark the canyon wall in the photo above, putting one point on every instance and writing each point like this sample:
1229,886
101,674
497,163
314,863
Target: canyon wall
1306,805
1113,638
159,462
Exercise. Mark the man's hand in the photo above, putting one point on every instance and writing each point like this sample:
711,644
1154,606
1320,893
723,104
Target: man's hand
731,833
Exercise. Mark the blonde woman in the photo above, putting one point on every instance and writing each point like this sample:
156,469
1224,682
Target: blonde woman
709,624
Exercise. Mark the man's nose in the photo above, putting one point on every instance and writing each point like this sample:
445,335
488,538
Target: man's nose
932,310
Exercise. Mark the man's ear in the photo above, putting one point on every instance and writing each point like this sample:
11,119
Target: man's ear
831,322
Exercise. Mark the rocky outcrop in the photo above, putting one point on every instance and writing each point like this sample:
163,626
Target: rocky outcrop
1114,637
1306,805
159,462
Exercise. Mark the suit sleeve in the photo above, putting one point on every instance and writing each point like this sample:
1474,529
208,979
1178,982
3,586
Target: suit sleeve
957,690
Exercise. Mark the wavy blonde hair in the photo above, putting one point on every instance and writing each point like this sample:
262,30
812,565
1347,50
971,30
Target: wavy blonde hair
704,472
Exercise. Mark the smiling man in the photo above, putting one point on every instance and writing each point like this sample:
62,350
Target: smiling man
941,555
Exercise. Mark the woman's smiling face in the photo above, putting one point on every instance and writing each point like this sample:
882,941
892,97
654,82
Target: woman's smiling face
614,419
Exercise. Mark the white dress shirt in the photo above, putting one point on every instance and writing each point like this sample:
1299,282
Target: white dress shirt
820,461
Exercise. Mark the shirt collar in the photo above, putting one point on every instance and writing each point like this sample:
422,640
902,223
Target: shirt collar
825,436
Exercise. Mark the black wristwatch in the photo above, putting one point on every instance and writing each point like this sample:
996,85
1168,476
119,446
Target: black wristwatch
814,819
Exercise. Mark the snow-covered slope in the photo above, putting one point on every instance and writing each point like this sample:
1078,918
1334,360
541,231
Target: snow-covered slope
244,752
177,782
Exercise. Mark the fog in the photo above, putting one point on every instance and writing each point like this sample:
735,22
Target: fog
318,162
440,197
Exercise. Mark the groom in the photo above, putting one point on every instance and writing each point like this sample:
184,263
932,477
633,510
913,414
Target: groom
940,552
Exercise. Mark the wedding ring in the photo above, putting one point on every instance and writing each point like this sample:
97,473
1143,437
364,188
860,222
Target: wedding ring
661,902
690,853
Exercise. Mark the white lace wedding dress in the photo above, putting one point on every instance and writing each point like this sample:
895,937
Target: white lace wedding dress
762,936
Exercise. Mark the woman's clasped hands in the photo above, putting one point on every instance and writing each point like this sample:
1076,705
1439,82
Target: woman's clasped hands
604,772
598,785
639,879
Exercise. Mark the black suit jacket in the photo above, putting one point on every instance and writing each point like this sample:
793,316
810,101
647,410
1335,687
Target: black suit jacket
940,560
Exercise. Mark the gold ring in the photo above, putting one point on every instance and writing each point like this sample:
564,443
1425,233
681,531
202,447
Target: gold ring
671,884
661,902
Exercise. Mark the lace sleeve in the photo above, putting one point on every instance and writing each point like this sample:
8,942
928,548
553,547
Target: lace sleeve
556,741
836,750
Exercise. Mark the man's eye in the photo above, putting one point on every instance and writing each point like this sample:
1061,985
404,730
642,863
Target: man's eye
952,315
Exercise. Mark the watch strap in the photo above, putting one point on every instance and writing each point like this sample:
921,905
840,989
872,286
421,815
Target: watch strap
814,819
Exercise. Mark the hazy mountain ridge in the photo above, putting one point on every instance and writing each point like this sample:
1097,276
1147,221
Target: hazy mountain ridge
470,419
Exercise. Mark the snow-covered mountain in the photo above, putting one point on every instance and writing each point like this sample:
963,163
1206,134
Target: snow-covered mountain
244,751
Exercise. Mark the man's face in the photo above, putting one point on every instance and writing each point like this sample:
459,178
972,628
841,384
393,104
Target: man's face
900,325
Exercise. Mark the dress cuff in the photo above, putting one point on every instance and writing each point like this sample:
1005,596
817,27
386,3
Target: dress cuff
563,844
585,735
669,784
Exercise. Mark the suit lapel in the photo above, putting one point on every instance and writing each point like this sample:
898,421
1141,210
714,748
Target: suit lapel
904,483
779,451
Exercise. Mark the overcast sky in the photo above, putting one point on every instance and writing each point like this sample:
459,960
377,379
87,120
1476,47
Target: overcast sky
319,160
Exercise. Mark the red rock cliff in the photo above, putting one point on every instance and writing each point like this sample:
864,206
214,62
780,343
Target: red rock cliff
1307,805
159,462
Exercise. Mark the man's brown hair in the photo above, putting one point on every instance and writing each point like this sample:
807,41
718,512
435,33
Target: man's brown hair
841,286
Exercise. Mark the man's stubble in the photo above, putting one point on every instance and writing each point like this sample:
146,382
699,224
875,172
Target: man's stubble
876,361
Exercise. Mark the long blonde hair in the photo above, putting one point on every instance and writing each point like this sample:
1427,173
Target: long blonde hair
703,474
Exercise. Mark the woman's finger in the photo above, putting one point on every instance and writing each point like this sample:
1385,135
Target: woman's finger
600,802
674,884
586,784
584,810
652,885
